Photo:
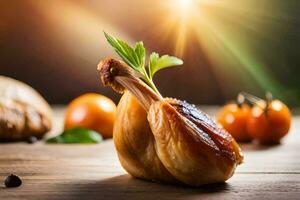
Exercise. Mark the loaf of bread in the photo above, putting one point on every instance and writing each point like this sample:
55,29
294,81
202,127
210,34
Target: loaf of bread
23,111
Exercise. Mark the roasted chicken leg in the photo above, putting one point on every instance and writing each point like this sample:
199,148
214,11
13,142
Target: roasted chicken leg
165,139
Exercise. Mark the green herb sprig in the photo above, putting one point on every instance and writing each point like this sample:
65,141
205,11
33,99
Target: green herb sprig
135,57
76,135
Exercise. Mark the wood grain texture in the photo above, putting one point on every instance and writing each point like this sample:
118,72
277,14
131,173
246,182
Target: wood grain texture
93,172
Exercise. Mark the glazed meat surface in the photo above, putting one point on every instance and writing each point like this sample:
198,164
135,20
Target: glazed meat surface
165,139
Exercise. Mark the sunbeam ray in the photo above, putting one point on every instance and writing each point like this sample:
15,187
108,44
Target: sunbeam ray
230,32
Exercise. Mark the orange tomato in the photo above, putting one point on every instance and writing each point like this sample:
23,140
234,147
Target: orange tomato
234,118
92,111
268,124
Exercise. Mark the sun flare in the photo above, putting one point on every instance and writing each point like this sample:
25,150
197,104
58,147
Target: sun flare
221,29
185,4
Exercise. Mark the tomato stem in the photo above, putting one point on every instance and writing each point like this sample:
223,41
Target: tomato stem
269,99
240,100
254,100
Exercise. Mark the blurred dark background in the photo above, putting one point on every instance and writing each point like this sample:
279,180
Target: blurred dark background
227,46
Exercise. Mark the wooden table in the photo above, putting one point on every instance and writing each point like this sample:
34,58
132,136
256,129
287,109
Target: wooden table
94,172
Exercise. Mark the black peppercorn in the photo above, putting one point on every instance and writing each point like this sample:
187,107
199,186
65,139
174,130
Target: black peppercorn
32,139
12,181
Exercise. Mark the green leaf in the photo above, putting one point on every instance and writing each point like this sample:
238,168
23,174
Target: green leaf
140,51
77,135
134,57
152,62
157,63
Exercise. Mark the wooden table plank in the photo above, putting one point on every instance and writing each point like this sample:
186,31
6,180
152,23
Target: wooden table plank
94,172
243,186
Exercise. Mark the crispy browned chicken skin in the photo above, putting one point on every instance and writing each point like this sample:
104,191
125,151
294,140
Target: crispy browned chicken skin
164,139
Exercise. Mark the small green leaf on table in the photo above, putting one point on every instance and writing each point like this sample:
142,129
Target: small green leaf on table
77,135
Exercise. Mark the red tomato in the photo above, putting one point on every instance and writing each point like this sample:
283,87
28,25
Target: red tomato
92,111
234,118
268,124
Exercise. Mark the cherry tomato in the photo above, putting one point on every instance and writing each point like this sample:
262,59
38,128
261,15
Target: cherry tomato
268,123
92,111
233,118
